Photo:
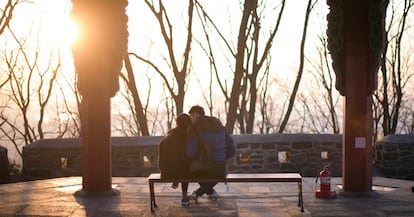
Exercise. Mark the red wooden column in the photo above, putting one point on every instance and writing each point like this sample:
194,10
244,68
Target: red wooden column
96,140
355,34
357,136
98,54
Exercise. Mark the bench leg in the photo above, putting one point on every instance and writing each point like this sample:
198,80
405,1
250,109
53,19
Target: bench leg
152,196
300,196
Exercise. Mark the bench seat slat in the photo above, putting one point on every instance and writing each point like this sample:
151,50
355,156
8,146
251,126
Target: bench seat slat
235,177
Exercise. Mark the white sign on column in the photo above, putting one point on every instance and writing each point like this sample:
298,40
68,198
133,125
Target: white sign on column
360,142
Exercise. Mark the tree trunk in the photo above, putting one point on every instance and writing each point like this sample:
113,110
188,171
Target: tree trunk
300,71
139,111
249,5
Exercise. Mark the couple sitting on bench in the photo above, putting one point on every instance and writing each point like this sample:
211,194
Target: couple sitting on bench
196,148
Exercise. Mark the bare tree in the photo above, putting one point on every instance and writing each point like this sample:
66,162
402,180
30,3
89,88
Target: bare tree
67,118
29,89
248,9
137,108
269,105
7,11
250,60
407,117
178,64
142,120
394,71
213,50
300,70
323,115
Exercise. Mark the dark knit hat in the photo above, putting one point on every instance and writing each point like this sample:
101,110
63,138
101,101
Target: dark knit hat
197,109
183,120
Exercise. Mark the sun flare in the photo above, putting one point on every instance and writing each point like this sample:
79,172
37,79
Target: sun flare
61,32
57,26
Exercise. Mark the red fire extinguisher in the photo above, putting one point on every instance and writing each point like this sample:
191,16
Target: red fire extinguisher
325,184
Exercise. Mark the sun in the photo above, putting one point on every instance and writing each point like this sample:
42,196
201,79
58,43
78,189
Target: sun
60,31
57,28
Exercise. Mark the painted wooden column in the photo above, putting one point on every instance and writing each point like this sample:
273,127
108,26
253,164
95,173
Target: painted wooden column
355,35
98,55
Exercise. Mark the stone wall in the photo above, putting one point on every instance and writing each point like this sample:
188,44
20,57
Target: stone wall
131,156
303,153
137,156
394,156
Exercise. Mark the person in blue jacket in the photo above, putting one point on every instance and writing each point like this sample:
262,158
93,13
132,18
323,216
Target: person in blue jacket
210,131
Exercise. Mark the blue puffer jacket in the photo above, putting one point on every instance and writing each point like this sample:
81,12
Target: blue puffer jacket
212,132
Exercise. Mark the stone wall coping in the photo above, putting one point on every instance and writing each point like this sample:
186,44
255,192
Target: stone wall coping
155,140
75,142
400,139
283,137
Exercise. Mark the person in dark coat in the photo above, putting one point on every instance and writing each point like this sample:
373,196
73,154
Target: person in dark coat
173,162
207,132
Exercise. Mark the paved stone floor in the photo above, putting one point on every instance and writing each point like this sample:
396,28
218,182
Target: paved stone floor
58,197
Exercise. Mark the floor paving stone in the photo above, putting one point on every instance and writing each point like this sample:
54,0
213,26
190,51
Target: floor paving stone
58,197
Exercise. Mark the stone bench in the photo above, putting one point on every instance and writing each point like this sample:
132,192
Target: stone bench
232,177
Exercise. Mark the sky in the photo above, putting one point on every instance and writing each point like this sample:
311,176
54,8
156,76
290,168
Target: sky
57,30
